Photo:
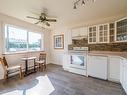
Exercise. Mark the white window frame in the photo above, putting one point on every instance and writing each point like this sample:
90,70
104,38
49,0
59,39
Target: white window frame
28,30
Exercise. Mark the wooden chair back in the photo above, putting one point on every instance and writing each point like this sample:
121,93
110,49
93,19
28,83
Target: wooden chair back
42,56
1,62
5,62
4,67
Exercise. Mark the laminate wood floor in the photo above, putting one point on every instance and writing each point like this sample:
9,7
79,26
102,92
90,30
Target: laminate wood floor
56,81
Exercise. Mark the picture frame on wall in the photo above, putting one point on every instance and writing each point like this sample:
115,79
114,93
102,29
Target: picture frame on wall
58,41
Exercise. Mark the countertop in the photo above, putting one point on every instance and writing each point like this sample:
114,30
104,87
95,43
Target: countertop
108,53
103,53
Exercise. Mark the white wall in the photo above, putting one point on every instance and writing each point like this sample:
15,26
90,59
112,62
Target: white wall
16,58
57,54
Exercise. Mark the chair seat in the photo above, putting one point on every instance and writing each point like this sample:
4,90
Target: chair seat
40,62
13,67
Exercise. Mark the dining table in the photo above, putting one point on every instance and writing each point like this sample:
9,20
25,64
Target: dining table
26,59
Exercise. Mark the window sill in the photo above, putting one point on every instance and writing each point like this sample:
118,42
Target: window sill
11,53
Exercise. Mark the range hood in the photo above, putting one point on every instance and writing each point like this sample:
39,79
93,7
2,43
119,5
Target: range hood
79,37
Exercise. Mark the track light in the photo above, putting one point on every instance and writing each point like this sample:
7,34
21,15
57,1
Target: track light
75,6
82,2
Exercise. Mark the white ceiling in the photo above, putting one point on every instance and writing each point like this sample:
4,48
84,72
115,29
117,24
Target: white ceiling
63,10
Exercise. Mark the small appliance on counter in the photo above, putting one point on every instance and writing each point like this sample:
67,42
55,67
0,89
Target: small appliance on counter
79,50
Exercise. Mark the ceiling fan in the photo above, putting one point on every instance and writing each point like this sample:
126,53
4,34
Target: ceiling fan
43,18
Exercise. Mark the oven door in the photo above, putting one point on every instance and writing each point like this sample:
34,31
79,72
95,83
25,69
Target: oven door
78,61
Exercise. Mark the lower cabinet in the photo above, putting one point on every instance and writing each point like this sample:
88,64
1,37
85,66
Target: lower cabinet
114,68
104,67
66,60
97,67
123,73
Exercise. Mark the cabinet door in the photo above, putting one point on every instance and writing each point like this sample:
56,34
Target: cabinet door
121,30
75,32
103,33
121,70
66,61
114,68
125,76
123,73
83,31
112,32
92,34
97,67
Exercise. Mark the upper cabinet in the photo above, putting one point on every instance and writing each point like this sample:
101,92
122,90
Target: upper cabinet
98,34
103,33
121,30
92,34
74,32
79,33
112,32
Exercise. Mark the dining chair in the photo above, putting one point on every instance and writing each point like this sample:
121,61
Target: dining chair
42,61
8,70
1,69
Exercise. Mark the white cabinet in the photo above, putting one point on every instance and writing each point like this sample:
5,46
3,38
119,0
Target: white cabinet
103,33
79,32
92,34
83,31
121,30
75,32
123,73
112,32
114,68
66,60
97,66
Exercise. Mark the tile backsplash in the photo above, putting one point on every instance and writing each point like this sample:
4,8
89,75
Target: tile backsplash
116,47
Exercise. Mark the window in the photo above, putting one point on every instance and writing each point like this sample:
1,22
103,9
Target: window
17,40
34,41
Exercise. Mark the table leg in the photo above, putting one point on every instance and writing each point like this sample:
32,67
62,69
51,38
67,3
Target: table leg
26,67
34,66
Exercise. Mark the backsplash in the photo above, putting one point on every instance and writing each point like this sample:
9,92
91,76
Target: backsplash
116,47
79,43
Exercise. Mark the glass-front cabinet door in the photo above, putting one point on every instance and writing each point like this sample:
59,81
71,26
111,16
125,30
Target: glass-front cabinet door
112,32
103,33
121,30
92,34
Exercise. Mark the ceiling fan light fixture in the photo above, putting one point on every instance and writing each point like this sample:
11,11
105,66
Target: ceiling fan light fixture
83,2
43,18
75,6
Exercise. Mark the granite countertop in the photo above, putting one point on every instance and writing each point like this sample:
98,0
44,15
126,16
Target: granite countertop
102,53
108,53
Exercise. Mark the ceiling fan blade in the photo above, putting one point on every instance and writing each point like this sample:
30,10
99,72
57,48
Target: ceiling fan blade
32,17
43,14
46,23
51,20
37,22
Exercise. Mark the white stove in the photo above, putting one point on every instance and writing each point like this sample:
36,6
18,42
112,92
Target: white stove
78,60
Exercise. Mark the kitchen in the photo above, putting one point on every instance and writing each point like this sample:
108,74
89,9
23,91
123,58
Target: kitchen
63,47
99,51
